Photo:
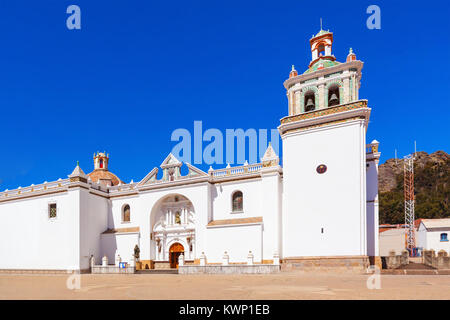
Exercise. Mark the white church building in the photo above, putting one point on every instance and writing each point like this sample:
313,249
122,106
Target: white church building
320,209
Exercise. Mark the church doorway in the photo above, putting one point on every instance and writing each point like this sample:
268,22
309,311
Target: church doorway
174,252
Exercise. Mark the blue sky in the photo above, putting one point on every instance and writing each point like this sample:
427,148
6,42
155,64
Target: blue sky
137,70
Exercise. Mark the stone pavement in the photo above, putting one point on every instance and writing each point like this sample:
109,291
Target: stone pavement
271,286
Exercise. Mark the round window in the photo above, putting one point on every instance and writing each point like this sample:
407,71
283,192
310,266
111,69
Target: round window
321,168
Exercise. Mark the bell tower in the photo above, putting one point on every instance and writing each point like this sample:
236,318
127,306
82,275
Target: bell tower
324,157
101,161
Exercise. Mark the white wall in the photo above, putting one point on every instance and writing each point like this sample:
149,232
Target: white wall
124,243
335,200
236,240
392,240
271,212
30,240
431,239
372,209
221,194
261,199
94,221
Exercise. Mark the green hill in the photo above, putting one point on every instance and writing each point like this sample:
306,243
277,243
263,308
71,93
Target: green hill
431,182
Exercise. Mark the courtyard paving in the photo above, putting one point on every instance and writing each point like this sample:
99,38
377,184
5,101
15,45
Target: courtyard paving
272,286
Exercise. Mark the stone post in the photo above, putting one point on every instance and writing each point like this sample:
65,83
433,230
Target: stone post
391,260
427,257
446,262
440,259
404,260
203,259
118,259
105,261
132,261
225,259
92,261
181,260
276,259
433,259
250,258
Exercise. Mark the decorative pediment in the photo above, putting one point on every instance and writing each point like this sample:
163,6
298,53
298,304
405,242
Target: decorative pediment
170,161
270,158
194,171
149,178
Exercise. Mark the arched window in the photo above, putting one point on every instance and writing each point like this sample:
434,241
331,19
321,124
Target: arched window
310,101
237,202
321,50
126,213
444,237
333,95
101,163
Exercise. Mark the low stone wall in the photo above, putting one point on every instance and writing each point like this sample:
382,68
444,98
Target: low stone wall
112,269
229,269
161,265
395,261
439,261
353,264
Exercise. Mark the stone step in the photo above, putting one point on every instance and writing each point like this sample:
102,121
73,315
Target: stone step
416,266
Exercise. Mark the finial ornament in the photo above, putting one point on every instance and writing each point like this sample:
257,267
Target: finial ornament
293,68
78,163
320,23
351,51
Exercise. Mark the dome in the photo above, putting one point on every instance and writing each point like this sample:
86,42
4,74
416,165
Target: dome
321,64
321,32
105,177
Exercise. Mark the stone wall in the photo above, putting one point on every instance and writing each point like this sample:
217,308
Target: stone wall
357,264
395,261
439,261
112,269
229,269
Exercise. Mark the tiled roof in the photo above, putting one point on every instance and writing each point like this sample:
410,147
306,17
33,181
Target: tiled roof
386,227
102,174
436,223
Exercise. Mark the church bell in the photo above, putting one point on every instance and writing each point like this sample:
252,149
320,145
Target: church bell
309,104
333,100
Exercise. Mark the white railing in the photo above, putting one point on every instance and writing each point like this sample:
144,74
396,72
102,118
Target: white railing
122,187
35,188
236,170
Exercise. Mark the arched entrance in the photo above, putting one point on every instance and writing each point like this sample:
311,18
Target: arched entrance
172,222
174,253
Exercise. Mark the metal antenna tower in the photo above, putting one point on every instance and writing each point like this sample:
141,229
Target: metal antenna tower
409,202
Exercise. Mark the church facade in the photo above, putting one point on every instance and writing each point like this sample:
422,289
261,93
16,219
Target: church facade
320,208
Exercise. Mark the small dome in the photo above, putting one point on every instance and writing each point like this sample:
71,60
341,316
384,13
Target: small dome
105,177
321,64
321,32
